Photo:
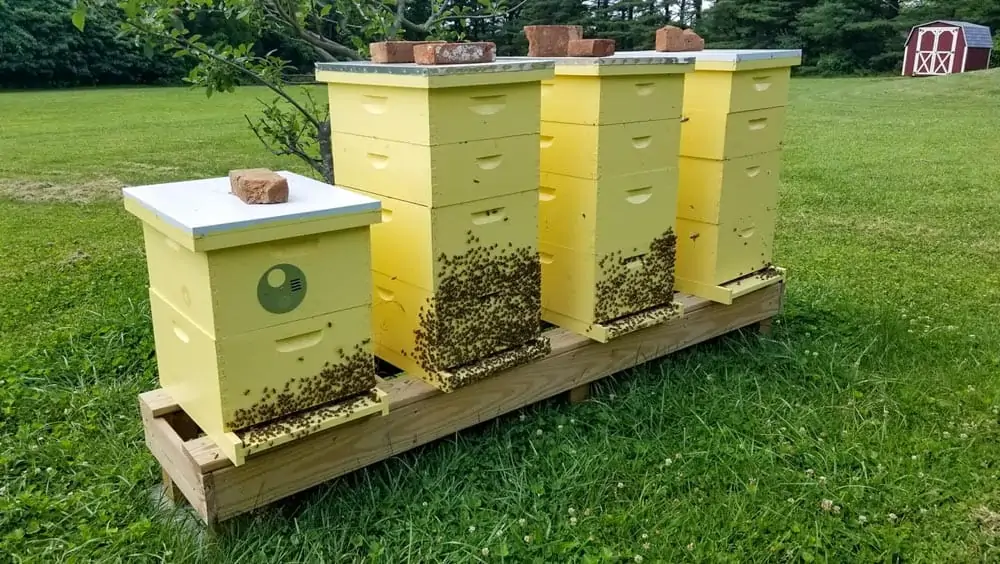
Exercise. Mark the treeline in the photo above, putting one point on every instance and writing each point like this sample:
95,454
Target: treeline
39,47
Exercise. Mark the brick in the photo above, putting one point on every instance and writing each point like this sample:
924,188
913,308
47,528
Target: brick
692,41
551,40
591,47
670,39
258,186
454,53
394,51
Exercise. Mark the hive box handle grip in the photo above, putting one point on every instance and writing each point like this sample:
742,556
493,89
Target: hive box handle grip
375,105
753,171
758,124
546,258
644,88
385,294
638,195
488,105
488,216
489,162
761,83
546,193
299,342
747,233
642,142
634,262
545,141
181,334
378,162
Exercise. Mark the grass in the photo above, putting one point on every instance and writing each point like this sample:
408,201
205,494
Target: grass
864,429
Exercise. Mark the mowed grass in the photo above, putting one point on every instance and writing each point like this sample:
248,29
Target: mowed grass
864,429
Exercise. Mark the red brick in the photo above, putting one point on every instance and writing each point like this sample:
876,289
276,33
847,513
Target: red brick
670,39
551,40
454,53
395,51
259,186
693,41
591,47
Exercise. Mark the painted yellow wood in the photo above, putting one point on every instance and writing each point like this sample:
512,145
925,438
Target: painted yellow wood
729,291
435,116
587,151
437,175
214,378
729,191
716,135
592,100
740,91
759,64
411,238
620,213
714,254
572,281
218,290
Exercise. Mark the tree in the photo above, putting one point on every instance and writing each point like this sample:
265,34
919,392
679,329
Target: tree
292,122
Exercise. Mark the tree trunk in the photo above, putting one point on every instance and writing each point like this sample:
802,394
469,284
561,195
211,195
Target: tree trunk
697,11
325,142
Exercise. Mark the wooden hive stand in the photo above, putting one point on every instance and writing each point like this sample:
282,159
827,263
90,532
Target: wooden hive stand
195,469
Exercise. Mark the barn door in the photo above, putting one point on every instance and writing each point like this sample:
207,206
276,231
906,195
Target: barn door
935,50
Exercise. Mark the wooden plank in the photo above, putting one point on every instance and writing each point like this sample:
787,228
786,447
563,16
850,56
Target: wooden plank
168,448
321,457
158,402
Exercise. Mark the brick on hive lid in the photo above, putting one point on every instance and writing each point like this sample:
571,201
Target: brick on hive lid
591,47
454,53
394,51
258,186
692,41
670,39
551,40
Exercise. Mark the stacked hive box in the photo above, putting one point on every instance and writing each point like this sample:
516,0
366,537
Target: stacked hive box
734,103
260,311
452,153
611,129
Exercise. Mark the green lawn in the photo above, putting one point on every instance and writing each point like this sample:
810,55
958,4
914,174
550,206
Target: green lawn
878,392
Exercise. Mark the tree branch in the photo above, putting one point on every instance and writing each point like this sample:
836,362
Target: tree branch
184,43
436,18
327,49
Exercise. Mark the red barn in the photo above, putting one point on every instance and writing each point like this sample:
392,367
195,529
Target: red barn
947,47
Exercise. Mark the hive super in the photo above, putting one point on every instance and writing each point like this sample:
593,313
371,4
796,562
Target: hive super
473,202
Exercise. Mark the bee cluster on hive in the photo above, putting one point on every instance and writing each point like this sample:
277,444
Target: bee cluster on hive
624,290
641,320
488,300
465,375
353,374
259,437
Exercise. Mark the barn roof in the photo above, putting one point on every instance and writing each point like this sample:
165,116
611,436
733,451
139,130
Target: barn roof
977,36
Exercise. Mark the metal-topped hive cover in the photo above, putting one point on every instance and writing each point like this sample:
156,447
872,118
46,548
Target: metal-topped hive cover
511,64
722,55
200,208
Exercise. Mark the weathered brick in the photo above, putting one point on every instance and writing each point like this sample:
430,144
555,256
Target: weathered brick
394,51
551,40
454,53
670,39
693,41
591,47
259,186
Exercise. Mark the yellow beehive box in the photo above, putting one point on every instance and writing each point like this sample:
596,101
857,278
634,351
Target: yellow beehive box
609,90
715,135
622,213
591,289
211,256
437,175
431,334
248,323
429,247
588,151
718,253
436,104
726,191
740,80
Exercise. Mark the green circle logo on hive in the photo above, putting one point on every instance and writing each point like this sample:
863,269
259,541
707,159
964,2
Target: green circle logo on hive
282,288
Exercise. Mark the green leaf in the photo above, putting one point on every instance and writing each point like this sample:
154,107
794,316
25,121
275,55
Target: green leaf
80,16
325,11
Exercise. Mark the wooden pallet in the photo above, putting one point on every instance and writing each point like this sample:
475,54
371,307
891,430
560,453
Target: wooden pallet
194,468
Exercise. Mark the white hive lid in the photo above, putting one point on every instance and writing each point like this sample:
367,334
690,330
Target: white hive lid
199,209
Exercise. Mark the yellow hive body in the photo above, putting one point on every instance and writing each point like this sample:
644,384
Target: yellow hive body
734,103
452,154
259,311
610,139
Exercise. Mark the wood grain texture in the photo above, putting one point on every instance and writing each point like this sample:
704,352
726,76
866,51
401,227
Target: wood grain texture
420,414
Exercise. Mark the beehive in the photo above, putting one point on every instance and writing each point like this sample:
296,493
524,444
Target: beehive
259,311
610,139
729,168
452,154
